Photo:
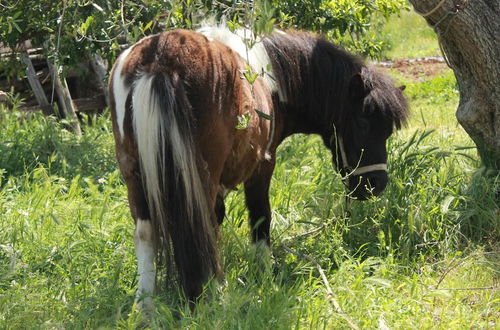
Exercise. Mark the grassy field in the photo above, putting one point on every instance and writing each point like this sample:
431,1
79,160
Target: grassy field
409,36
425,254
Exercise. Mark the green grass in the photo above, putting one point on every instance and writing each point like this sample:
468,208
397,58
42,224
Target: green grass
409,36
425,254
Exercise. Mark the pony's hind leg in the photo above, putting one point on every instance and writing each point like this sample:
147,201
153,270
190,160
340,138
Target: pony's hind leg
257,200
144,236
146,253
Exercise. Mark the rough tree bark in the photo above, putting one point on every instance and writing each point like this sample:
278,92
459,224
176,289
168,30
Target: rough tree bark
469,34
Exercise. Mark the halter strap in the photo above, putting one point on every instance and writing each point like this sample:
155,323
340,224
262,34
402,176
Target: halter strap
370,168
358,170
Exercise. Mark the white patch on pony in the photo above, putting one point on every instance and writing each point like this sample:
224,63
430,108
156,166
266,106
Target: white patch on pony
145,251
256,56
151,132
120,90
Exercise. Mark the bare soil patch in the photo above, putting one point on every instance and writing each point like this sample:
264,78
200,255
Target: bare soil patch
416,69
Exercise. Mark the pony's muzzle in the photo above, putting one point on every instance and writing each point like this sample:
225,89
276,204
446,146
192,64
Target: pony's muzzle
367,185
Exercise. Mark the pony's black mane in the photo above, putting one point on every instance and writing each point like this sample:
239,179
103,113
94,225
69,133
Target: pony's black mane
384,97
315,75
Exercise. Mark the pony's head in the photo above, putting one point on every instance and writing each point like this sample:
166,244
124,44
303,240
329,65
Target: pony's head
375,107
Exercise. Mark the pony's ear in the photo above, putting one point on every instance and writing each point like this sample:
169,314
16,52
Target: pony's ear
358,89
402,87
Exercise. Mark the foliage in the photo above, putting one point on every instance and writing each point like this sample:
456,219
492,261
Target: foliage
70,30
347,22
67,256
426,90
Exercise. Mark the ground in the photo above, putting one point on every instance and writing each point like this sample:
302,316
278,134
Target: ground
416,69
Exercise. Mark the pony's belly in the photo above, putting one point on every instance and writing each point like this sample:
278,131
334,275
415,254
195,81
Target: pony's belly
243,159
238,170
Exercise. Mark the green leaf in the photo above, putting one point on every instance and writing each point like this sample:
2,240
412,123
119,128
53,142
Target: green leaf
249,75
378,281
444,294
17,27
243,121
264,115
16,15
148,26
85,25
233,25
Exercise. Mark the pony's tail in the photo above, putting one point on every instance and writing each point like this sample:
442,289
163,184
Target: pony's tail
170,168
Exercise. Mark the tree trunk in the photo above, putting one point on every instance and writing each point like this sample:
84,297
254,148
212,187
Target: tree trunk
469,34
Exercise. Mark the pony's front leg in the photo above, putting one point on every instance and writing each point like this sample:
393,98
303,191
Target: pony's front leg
146,253
257,200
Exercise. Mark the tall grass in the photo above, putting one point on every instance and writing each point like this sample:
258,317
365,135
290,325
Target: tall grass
31,140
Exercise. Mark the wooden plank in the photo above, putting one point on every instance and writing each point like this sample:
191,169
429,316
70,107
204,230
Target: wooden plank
64,96
35,84
88,104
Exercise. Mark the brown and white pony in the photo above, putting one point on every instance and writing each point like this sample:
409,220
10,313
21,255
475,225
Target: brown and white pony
176,100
